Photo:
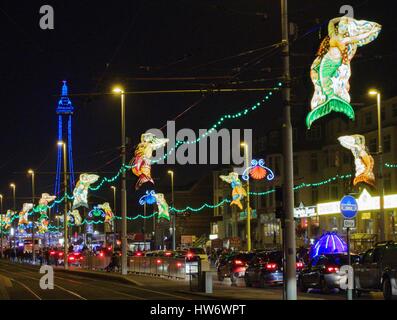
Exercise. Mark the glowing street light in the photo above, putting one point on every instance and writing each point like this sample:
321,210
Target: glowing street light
245,146
374,92
120,91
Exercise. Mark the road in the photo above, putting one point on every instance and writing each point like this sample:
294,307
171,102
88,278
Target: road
21,282
25,286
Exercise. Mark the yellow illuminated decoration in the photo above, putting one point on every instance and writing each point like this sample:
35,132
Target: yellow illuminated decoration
330,71
23,216
362,159
162,205
109,216
142,156
238,192
80,192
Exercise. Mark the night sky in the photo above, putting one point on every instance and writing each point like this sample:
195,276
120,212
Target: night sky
97,44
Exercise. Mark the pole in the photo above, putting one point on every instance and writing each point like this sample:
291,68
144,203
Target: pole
381,184
1,226
115,220
174,216
14,209
248,203
124,243
33,195
65,213
349,291
288,201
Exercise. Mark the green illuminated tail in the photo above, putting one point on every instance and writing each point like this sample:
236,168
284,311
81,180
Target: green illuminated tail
334,104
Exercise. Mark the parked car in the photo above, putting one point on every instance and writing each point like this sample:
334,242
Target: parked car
377,270
194,253
233,266
323,272
264,269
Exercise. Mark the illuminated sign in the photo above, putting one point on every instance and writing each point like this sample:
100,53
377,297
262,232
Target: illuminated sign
304,212
365,203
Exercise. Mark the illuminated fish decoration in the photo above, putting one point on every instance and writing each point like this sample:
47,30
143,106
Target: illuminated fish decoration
80,192
238,192
330,71
142,156
362,159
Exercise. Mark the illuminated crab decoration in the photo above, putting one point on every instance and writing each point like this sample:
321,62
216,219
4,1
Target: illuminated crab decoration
258,171
148,198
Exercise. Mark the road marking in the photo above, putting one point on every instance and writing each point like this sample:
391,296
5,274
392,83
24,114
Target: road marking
27,288
23,274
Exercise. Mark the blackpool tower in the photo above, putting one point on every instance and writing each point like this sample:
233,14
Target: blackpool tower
65,112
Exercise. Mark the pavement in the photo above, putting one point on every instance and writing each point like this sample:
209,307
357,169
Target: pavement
19,281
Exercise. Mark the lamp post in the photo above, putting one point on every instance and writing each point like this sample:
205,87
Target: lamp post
171,173
123,186
245,146
380,160
114,221
1,226
31,172
65,212
14,208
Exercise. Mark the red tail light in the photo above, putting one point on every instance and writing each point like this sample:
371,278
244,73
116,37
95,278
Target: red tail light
189,255
238,262
332,269
138,254
168,254
179,264
101,254
71,258
271,266
299,265
158,261
60,254
52,253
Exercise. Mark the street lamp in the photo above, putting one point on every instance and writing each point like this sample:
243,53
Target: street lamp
376,93
65,213
245,146
1,226
120,91
31,172
170,172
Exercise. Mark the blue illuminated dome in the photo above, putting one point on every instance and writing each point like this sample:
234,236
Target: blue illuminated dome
329,242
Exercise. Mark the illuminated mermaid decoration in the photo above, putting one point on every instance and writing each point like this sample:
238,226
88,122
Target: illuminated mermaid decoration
330,71
238,192
109,216
162,206
143,154
362,159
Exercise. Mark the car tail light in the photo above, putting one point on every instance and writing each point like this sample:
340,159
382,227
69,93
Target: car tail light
299,265
60,254
332,269
52,253
81,258
271,266
189,255
168,254
71,258
76,253
238,262
179,264
158,261
138,254
101,254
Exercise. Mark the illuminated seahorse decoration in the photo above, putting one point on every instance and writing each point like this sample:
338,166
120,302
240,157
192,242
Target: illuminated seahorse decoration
238,192
23,216
8,219
362,159
330,71
109,216
75,217
80,192
43,206
162,206
143,154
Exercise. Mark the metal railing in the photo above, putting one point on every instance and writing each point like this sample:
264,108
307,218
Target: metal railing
95,262
164,266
